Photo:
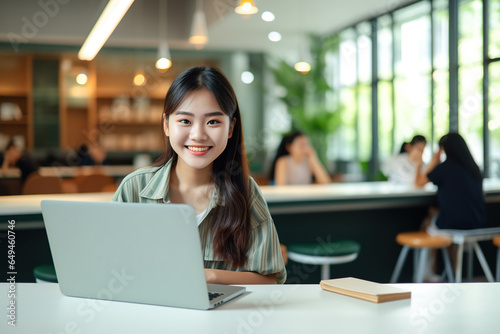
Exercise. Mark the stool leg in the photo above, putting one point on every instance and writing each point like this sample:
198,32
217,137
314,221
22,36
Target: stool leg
447,264
498,265
422,257
325,271
416,255
460,257
470,259
399,264
482,261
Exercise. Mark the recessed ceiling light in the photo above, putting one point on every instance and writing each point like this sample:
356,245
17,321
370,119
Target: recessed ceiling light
268,16
274,36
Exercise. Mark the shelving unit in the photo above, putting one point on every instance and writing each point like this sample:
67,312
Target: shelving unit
16,99
129,116
108,108
77,103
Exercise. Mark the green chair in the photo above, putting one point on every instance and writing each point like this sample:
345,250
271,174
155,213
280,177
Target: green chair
45,273
324,254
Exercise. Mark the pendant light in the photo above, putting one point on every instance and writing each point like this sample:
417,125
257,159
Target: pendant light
303,65
246,7
164,61
199,35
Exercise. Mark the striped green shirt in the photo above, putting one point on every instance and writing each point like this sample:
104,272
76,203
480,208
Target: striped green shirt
150,185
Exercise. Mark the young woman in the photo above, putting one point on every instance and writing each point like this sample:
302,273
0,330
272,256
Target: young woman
204,165
407,166
296,162
460,186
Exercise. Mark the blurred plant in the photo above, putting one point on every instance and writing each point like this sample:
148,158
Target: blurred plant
305,99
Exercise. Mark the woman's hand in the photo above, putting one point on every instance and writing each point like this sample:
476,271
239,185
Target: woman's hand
218,276
436,158
210,275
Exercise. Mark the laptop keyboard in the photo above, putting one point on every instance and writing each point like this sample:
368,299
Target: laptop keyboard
213,295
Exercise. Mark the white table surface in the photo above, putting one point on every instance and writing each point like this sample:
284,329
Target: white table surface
433,308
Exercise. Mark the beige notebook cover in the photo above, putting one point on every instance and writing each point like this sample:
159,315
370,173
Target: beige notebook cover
358,288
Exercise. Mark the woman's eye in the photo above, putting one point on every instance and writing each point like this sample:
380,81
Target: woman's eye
213,122
184,121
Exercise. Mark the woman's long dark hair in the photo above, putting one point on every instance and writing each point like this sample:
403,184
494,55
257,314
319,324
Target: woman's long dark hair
231,223
415,140
282,150
456,150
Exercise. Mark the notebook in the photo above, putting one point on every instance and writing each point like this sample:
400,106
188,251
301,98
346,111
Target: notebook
371,291
131,252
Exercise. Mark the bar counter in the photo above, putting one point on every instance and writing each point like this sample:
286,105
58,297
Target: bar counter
371,213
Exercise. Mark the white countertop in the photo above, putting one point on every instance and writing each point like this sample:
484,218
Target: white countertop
72,171
433,308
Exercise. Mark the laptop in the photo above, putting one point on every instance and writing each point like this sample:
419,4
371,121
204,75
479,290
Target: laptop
131,252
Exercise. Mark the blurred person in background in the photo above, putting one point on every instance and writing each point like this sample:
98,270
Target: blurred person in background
407,166
296,162
13,157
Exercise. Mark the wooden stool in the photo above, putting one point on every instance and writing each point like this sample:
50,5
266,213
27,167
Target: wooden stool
421,242
470,239
496,242
324,254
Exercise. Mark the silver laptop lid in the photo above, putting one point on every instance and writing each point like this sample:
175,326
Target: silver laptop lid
144,253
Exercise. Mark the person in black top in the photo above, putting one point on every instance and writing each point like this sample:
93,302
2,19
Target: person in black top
460,186
14,158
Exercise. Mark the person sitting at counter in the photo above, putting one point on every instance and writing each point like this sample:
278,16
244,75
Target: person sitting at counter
296,162
404,168
90,155
13,157
460,199
204,165
460,187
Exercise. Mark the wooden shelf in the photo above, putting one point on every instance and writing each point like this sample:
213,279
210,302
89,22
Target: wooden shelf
14,122
132,123
16,87
13,92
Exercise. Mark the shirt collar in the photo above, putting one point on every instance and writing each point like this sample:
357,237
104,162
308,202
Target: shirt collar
157,189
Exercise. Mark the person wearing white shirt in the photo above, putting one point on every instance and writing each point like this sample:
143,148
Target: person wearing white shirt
405,167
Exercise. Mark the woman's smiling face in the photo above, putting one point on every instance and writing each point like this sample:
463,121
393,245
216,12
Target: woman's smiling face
198,129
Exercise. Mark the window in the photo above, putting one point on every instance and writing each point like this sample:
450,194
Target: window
470,76
412,84
413,80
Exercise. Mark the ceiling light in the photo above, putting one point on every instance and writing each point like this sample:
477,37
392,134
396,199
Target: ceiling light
268,16
81,79
246,7
274,36
302,67
139,79
163,64
164,61
247,77
107,22
199,36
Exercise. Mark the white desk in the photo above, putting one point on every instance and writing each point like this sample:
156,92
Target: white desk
433,308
